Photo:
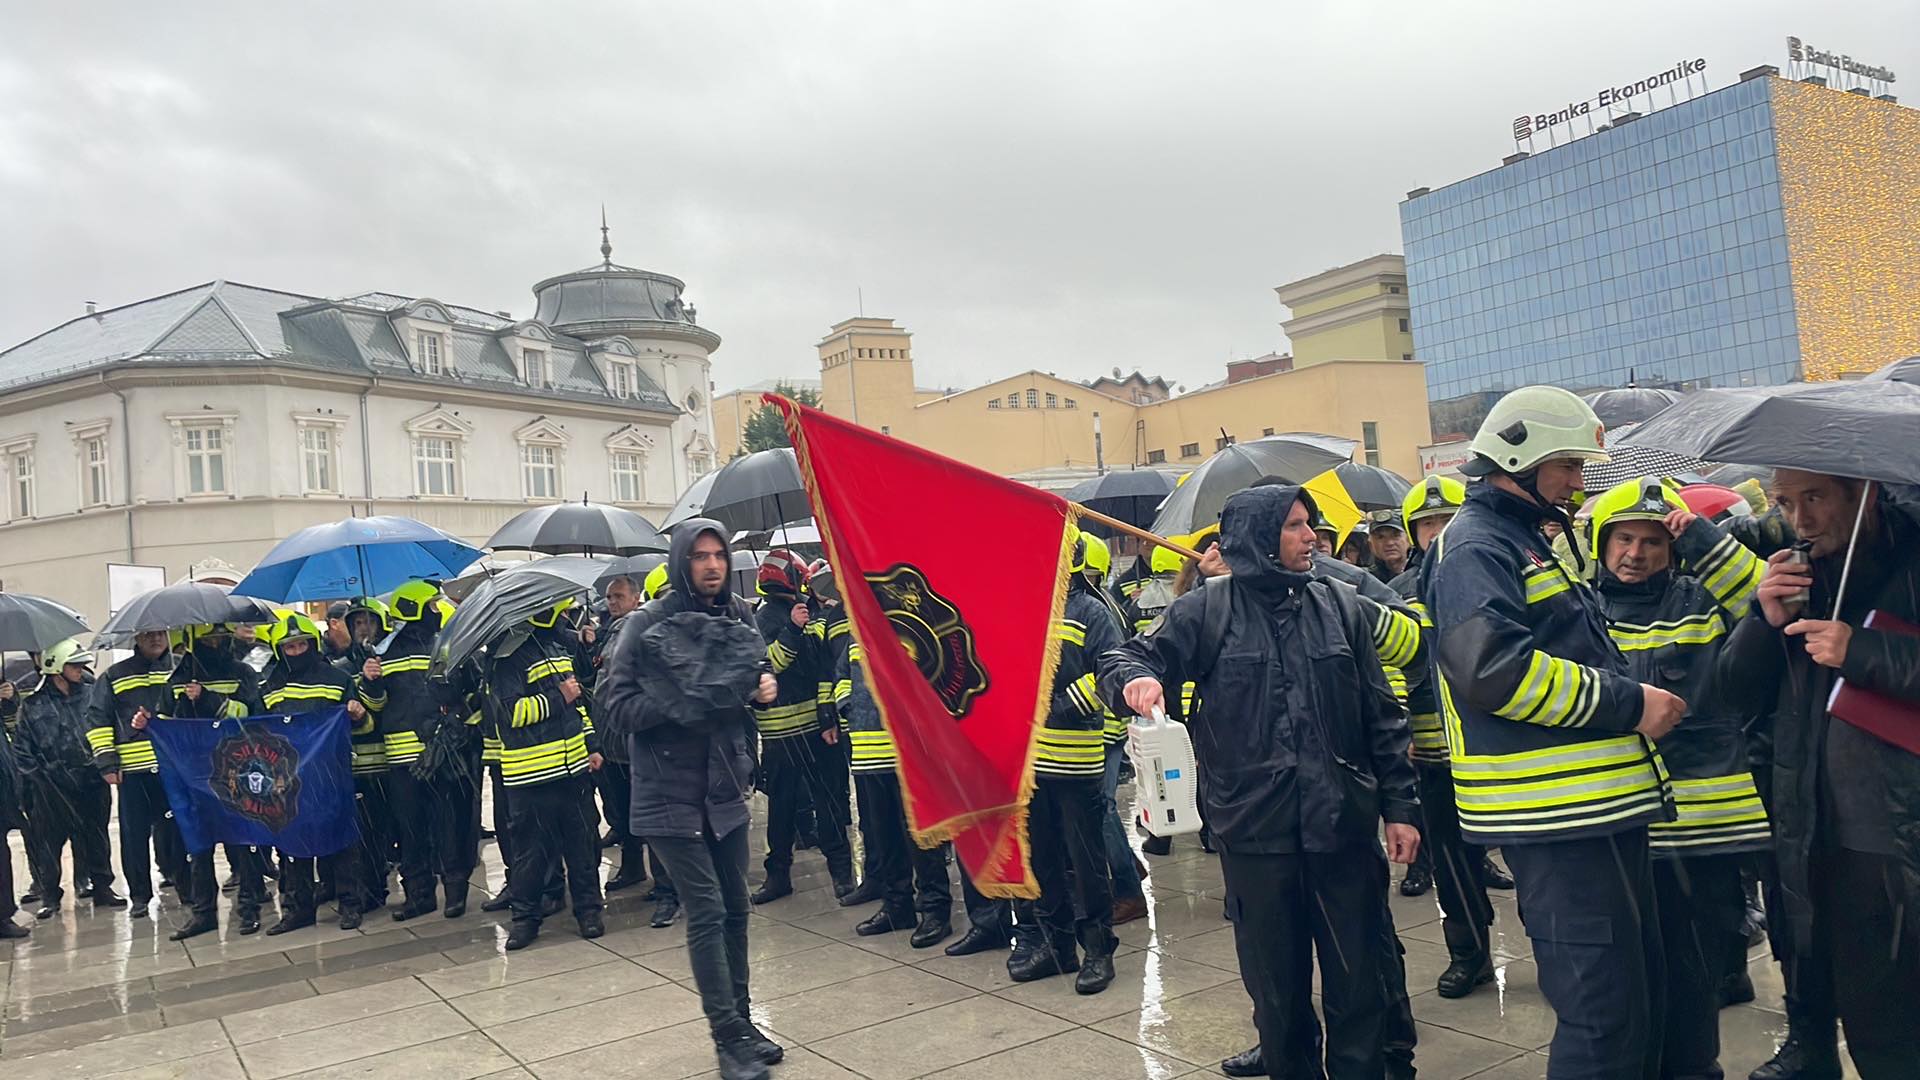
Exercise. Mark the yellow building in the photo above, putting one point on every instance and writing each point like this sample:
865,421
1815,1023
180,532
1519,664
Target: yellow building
1353,312
1033,422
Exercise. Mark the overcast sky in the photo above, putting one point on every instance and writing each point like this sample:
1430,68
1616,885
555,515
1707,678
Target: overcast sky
1063,186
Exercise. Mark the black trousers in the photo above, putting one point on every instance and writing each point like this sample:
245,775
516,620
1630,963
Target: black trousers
438,825
911,878
75,816
145,818
799,764
1065,823
1859,911
203,881
993,915
376,829
711,875
1284,909
554,824
1700,906
1456,866
615,780
9,902
1590,910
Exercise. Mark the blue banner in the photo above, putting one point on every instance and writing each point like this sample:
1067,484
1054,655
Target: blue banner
272,781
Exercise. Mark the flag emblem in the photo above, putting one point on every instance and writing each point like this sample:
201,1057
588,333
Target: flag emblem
256,775
936,637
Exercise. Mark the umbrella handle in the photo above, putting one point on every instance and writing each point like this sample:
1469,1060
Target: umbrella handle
1136,532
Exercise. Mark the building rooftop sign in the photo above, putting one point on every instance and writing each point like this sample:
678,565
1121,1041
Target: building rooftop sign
1550,124
1801,53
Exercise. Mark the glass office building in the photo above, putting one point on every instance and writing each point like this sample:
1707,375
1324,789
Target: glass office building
1668,249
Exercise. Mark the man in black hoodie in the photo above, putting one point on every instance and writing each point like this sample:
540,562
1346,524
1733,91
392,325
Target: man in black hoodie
690,788
1302,751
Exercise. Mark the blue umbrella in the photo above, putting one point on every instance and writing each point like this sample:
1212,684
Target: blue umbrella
356,557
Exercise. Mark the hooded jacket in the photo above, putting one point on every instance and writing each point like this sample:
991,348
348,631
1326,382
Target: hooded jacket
1764,672
228,688
1301,745
50,739
1539,708
1073,743
1671,628
687,781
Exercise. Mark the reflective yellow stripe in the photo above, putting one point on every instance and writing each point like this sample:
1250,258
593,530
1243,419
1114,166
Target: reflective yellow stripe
781,656
100,739
841,628
490,748
531,709
1396,638
136,682
872,750
558,666
1553,693
1429,737
1692,630
1072,753
301,692
1717,810
402,747
547,761
1730,573
1397,682
1596,754
1071,632
1082,692
399,664
138,757
1545,583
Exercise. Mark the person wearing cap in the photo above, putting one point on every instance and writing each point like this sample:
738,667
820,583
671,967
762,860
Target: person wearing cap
1387,542
795,753
68,795
338,636
1552,739
1673,585
1357,550
132,692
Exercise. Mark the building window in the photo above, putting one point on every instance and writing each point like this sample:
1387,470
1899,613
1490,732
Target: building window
316,459
1406,356
1222,442
620,379
1013,401
435,466
1156,457
431,360
693,403
96,485
1403,326
885,429
1394,289
1191,449
1071,405
23,484
540,468
206,460
1264,432
1053,402
701,463
1033,399
993,403
629,476
1370,438
534,362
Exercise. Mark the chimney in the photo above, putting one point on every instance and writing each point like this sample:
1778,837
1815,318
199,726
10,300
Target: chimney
93,308
1518,155
1417,192
1886,97
1760,72
1817,80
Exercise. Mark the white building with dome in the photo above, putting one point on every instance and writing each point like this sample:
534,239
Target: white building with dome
208,423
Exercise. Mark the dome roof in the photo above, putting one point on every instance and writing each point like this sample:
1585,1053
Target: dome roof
612,299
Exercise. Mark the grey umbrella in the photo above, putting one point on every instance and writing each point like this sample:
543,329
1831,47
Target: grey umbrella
1197,502
189,603
582,528
507,599
756,492
1860,429
1629,404
1629,461
31,623
1372,487
636,567
1132,495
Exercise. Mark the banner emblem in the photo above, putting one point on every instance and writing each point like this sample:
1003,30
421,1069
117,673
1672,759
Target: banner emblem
256,774
934,634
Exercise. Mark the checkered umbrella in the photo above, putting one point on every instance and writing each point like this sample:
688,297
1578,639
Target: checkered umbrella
1630,461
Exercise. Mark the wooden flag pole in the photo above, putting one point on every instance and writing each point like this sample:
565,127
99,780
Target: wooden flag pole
1136,532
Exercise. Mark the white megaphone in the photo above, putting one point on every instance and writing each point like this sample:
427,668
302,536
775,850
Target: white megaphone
1166,789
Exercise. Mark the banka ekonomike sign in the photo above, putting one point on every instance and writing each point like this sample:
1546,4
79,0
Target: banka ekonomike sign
1525,127
1802,52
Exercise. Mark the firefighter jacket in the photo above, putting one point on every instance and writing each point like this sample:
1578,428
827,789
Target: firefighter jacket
1300,743
50,738
1671,629
1397,640
870,746
131,685
542,736
1416,686
796,656
1144,600
836,640
228,688
369,746
1073,742
412,708
1539,708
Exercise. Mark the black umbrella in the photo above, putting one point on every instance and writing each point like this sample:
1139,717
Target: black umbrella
34,623
507,599
582,528
1628,461
636,567
1731,475
1629,404
1372,487
1906,371
745,566
189,603
1197,502
1132,495
756,492
1859,429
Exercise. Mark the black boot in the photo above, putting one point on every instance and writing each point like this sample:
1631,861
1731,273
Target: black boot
1799,1060
843,884
592,926
1471,966
48,910
1492,876
292,919
456,899
13,931
864,893
665,911
935,927
1416,882
608,839
738,1050
978,939
884,922
248,920
199,924
765,1049
522,934
498,902
105,897
1248,1062
631,874
350,918
414,908
775,887
1157,845
1096,970
551,904
1041,961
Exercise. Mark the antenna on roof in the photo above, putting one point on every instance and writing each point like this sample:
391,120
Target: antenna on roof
860,300
606,245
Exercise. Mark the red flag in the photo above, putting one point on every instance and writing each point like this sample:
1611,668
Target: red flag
966,574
